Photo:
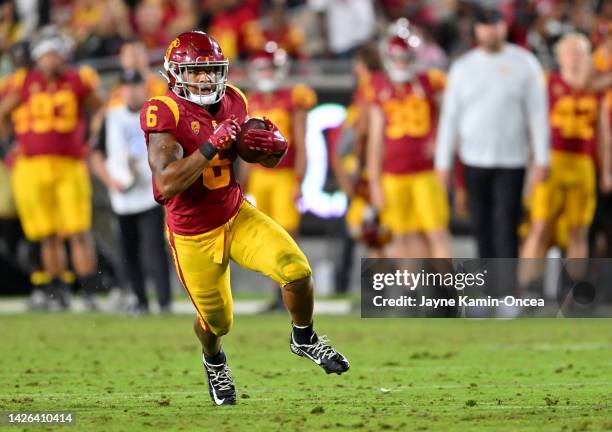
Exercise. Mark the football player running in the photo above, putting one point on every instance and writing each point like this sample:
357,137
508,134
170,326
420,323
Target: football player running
189,135
401,126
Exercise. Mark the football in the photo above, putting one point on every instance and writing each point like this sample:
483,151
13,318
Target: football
245,153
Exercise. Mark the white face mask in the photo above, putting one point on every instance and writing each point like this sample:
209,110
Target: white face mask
266,85
401,76
181,86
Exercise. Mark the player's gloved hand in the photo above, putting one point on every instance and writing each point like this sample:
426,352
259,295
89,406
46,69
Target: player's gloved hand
266,141
224,133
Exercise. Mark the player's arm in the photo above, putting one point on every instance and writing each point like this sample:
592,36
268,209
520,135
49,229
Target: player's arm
7,104
605,150
374,152
299,142
174,173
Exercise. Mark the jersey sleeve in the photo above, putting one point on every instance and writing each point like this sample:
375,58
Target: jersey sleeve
303,97
159,114
437,80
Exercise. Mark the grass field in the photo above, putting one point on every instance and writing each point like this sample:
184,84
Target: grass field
118,373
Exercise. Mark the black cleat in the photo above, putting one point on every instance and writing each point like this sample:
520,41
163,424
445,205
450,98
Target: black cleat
220,383
321,353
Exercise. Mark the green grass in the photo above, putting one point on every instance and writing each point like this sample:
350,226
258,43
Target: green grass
119,373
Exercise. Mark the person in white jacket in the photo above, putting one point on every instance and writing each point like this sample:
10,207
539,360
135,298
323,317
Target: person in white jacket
120,162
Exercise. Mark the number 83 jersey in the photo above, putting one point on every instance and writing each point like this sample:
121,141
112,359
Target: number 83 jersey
215,197
51,118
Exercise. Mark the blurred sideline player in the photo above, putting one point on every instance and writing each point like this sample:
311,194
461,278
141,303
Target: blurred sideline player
580,128
402,123
601,229
189,135
349,157
50,179
134,56
276,190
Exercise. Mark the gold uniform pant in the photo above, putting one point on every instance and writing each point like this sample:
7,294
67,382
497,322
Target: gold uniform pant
569,193
53,195
273,193
252,240
414,203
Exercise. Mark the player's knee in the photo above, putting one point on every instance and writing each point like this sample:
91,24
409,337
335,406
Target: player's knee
294,267
540,229
578,233
220,324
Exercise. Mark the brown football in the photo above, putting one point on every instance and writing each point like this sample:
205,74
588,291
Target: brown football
245,153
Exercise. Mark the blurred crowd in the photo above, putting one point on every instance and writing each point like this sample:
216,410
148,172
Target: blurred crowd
438,33
303,28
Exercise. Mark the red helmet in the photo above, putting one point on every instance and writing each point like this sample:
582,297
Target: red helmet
399,51
191,51
268,67
373,233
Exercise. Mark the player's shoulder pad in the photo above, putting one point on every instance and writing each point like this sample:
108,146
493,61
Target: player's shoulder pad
89,76
232,89
160,113
302,96
437,79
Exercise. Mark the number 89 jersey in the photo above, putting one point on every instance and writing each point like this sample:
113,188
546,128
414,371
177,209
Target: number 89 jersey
410,113
215,197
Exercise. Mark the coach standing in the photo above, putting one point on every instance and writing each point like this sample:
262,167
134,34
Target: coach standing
494,107
121,164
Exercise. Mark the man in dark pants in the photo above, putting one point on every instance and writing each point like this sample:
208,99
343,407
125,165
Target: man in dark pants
122,166
495,106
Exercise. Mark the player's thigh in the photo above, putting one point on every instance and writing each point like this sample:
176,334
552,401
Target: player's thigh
260,244
283,207
35,194
581,200
546,201
355,214
74,196
207,283
430,202
260,190
397,213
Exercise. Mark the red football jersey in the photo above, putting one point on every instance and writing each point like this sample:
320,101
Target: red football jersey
411,113
574,116
51,117
214,198
279,106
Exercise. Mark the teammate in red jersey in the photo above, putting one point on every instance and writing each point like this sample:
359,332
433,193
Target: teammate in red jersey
401,126
277,190
189,135
580,128
50,180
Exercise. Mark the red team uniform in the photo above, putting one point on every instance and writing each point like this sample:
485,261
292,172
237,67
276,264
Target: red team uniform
274,188
210,222
50,180
570,191
415,200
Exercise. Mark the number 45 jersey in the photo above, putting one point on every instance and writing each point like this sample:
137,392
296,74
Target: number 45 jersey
215,197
